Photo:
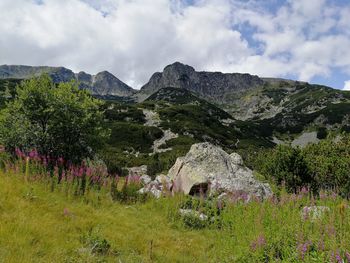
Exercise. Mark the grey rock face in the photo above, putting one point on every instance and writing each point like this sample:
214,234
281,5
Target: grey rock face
215,86
207,167
84,77
104,83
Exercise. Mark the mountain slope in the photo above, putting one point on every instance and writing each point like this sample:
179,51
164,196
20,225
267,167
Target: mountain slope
102,84
278,108
163,127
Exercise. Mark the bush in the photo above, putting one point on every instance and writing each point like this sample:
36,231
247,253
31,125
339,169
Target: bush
129,193
329,163
322,166
285,165
98,245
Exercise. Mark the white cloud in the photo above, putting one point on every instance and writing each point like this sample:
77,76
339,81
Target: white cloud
347,85
132,39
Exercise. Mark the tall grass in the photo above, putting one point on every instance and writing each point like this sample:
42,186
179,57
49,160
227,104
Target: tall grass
42,220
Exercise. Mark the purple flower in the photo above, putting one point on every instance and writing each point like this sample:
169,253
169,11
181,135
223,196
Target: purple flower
66,212
347,255
331,230
321,245
60,161
33,154
303,248
260,242
19,153
304,190
335,257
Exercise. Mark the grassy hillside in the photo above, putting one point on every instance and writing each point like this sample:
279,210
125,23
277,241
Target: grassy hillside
38,225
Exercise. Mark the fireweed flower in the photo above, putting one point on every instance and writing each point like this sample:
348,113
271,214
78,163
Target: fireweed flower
260,242
66,212
304,190
33,154
336,257
323,195
306,213
303,249
334,196
321,245
330,230
88,172
19,153
347,255
60,161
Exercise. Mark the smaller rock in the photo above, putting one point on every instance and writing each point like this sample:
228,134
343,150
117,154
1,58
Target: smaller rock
190,212
138,170
158,186
222,196
145,179
314,212
163,179
151,190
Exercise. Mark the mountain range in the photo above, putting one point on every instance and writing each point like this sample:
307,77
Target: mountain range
103,83
279,110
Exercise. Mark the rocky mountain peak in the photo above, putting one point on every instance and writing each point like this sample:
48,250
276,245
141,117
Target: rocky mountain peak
105,83
216,87
84,77
178,68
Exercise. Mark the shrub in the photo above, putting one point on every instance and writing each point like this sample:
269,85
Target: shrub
97,244
329,163
286,165
129,192
322,166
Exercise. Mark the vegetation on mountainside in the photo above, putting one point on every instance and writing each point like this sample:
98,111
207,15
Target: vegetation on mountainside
193,119
286,108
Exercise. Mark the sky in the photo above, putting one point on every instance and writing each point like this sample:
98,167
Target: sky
306,40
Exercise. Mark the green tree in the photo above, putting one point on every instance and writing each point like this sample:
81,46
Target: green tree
57,120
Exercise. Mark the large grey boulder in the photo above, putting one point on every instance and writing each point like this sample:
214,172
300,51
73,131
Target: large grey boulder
209,169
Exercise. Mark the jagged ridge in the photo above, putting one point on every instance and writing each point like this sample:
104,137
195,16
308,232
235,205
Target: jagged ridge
102,84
